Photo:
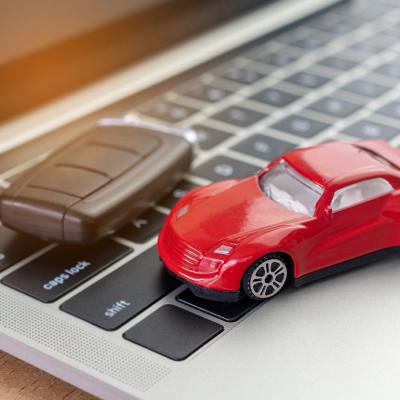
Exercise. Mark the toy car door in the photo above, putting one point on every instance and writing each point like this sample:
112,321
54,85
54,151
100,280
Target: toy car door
356,224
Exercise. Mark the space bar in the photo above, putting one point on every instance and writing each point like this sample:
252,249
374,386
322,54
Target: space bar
123,294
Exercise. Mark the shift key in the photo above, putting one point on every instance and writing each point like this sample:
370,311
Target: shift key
63,268
123,294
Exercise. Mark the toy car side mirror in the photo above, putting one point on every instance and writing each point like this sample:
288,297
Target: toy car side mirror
328,213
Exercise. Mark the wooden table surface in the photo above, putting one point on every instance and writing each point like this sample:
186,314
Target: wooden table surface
20,381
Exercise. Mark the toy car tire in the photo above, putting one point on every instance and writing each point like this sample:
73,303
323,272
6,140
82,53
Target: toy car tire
266,277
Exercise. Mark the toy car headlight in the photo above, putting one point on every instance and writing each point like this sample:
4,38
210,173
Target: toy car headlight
216,256
224,248
210,265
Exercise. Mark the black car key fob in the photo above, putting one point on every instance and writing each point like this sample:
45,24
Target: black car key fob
94,185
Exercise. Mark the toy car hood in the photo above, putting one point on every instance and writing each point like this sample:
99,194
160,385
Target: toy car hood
241,205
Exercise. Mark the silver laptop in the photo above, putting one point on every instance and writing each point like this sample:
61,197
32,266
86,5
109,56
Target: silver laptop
254,79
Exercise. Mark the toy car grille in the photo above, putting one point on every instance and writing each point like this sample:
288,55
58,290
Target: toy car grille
181,253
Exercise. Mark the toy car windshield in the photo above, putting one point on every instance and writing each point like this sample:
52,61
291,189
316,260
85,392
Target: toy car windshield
291,190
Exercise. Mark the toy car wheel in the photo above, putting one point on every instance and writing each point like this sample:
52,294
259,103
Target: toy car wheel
266,277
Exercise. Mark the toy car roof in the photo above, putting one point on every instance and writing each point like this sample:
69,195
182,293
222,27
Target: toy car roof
341,161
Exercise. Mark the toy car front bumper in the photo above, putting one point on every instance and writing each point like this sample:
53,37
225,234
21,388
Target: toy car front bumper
224,296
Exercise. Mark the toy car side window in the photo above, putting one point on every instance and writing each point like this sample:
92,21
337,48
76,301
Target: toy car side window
359,192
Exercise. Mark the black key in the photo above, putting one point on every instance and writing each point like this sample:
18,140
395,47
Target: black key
366,129
374,11
123,294
391,69
221,167
144,227
366,47
341,12
173,332
229,312
260,51
300,126
382,41
15,247
334,107
167,111
344,26
391,3
209,137
339,63
391,109
63,268
287,36
206,93
392,31
307,80
263,147
310,43
180,190
238,75
275,59
365,88
239,116
275,97
320,21
356,56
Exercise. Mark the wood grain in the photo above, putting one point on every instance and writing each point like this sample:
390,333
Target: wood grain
20,381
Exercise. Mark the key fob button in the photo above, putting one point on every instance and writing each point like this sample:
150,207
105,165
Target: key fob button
104,160
140,142
72,181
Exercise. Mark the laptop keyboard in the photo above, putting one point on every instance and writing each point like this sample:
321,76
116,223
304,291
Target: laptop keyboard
335,76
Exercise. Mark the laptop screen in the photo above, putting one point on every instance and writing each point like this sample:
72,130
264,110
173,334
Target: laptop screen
50,48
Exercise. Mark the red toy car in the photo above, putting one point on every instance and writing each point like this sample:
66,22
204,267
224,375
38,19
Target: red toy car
311,213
